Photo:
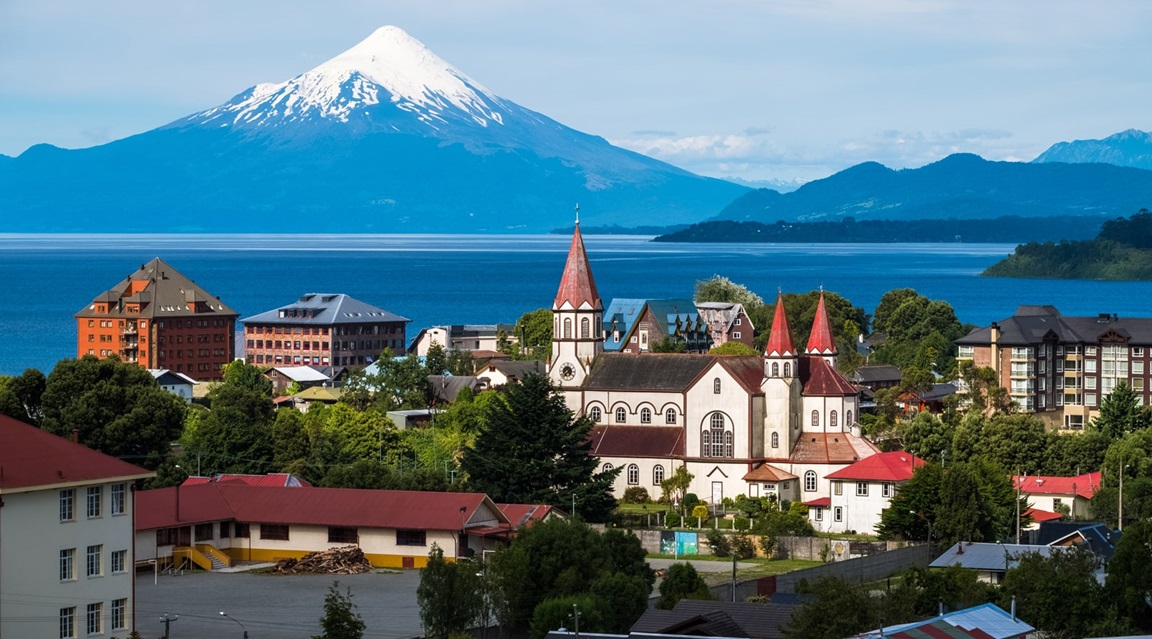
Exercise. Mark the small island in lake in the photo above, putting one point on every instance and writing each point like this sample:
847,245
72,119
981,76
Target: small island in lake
1121,251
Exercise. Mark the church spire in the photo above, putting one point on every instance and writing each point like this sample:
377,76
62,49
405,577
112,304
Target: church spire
780,339
577,287
820,341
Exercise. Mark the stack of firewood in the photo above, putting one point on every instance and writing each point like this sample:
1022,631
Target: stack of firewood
346,560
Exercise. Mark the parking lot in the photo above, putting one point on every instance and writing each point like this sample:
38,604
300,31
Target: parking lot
285,607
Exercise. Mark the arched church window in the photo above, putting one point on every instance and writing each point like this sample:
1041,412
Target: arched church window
718,439
787,369
810,481
706,443
728,443
658,475
670,416
585,328
633,475
815,419
775,369
645,415
833,420
775,440
606,467
567,328
716,386
848,418
594,413
620,415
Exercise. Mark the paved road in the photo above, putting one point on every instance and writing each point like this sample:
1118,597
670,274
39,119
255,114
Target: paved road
285,607
701,565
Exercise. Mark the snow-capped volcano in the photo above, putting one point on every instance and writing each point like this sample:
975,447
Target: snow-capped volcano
387,69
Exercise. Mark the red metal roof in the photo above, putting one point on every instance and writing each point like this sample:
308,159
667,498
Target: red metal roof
1082,485
577,288
637,441
823,502
831,448
32,458
1038,516
316,506
820,340
780,339
895,466
522,514
820,379
271,479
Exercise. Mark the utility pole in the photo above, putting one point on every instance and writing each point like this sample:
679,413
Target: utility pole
576,619
167,621
733,577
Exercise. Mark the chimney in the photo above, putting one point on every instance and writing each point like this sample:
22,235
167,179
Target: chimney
1013,607
75,435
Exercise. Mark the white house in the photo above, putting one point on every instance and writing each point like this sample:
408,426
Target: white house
178,384
774,424
66,557
1059,495
861,492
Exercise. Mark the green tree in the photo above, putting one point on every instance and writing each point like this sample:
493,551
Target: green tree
340,620
721,289
534,335
681,582
241,374
567,612
1058,594
669,344
1121,413
983,391
436,361
235,435
369,473
1129,582
1018,443
855,611
914,507
290,447
733,348
20,396
675,486
536,451
919,331
449,596
117,408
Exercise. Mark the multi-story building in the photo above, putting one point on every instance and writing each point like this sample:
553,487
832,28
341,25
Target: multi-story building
727,322
66,551
158,318
1061,368
321,329
464,337
635,326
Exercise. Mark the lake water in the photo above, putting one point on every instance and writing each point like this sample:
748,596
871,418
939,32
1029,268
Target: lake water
458,279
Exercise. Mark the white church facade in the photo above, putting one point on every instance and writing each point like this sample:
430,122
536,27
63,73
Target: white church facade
775,424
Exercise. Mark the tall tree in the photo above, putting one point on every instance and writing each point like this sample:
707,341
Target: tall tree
118,409
1121,413
449,596
721,289
1058,594
235,435
20,396
1129,582
340,620
681,582
534,335
536,451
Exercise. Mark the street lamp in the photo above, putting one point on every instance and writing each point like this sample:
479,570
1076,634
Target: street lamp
1005,549
929,522
228,616
1120,505
463,529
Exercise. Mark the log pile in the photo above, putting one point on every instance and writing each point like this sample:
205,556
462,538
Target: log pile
346,560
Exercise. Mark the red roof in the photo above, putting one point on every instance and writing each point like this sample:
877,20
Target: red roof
577,288
780,339
820,341
637,441
522,514
32,458
271,479
768,473
1082,485
895,466
1038,516
349,507
821,379
822,502
831,448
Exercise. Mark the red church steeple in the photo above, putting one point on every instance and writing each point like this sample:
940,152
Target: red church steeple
577,288
780,339
820,341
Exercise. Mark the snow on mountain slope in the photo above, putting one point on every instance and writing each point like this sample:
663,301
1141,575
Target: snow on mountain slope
388,67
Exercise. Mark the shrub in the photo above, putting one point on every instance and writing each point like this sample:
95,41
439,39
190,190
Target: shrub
768,546
719,543
699,511
635,495
741,523
690,501
742,546
672,519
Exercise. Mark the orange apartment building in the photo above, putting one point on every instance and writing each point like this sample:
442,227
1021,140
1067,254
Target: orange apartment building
158,318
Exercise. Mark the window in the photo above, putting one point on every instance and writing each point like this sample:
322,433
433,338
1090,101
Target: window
838,514
965,352
68,565
567,328
810,481
787,369
119,561
837,488
120,614
775,369
716,386
818,513
595,414
410,538
166,536
861,489
645,415
715,441
848,418
833,420
886,489
658,475
1137,368
95,569
119,499
243,530
633,475
68,622
95,618
670,416
277,532
606,468
736,335
621,414
775,440
225,529
585,328
203,532
815,419
1074,422
343,535
67,504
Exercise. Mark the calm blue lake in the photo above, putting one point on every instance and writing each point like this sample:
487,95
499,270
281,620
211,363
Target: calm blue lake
455,279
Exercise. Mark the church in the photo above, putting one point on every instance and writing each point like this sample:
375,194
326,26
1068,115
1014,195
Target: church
774,424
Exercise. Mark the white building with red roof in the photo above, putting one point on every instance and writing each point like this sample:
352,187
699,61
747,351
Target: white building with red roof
66,557
214,524
775,424
861,492
1050,495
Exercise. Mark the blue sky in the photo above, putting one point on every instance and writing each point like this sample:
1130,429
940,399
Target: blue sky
755,89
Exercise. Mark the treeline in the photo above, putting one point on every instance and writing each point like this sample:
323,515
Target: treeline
1121,251
1002,229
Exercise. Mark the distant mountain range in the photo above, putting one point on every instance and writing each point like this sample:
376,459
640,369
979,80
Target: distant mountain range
961,186
385,137
1128,148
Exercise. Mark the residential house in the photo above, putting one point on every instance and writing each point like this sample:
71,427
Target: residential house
990,561
66,553
986,621
497,373
877,376
287,480
1069,496
446,388
699,618
464,337
218,523
861,492
727,322
322,329
634,326
1061,368
158,318
775,424
284,377
178,384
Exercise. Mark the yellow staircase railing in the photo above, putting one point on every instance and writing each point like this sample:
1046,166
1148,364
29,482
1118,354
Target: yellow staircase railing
212,551
191,554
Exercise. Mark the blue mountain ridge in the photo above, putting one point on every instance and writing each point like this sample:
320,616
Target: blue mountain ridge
1127,148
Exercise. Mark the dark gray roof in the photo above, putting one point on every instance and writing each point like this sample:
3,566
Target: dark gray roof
876,373
986,556
1034,324
651,371
447,387
718,619
517,368
168,293
325,309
